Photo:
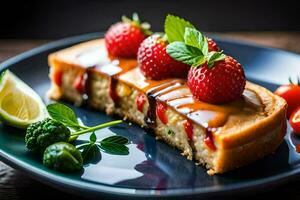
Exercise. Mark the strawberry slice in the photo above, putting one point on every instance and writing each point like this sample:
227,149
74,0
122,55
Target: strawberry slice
161,112
57,76
79,83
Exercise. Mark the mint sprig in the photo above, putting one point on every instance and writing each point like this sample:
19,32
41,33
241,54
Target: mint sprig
67,117
175,27
194,38
184,53
90,150
63,114
194,49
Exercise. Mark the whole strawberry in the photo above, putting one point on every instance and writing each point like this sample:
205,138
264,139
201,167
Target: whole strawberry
213,77
154,61
124,38
223,82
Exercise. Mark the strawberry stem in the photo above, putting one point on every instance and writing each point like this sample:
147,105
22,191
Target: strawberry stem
145,26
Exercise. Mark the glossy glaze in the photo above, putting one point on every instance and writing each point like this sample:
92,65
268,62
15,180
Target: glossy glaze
169,93
172,92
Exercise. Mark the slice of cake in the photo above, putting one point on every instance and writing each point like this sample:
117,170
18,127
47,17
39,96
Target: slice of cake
220,136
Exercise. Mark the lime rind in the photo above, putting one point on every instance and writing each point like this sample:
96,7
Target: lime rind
16,88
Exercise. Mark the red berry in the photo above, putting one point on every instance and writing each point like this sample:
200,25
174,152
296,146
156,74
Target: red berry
209,139
155,63
295,121
123,39
223,82
79,83
140,101
291,93
57,76
188,127
161,112
212,45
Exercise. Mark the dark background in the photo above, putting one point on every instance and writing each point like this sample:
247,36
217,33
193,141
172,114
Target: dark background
61,18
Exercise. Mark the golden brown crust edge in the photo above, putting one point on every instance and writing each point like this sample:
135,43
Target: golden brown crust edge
230,159
275,114
265,136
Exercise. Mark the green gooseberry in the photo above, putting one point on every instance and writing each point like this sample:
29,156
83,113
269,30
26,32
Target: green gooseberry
63,157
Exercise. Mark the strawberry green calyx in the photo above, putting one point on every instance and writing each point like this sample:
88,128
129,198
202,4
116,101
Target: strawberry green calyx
144,26
193,50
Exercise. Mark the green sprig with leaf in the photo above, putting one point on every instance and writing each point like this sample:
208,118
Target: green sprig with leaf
187,44
67,117
52,137
113,145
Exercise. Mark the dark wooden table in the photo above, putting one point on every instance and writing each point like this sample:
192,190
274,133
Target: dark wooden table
17,185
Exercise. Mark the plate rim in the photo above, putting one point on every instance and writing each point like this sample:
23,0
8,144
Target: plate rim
101,189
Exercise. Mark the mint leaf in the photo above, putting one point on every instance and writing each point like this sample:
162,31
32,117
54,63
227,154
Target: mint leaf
184,53
64,114
115,145
90,154
111,148
195,38
175,27
93,137
82,146
116,139
213,57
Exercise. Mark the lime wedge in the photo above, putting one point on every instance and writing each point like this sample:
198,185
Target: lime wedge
20,105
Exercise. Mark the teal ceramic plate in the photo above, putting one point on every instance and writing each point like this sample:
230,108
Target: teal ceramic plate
153,169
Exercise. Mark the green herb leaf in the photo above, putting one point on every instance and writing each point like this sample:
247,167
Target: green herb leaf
117,149
115,145
90,153
82,146
63,113
175,27
116,139
184,53
93,137
194,38
213,57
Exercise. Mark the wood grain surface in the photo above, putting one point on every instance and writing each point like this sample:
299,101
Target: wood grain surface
15,184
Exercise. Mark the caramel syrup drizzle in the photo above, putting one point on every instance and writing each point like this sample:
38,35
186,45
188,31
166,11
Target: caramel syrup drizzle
173,92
